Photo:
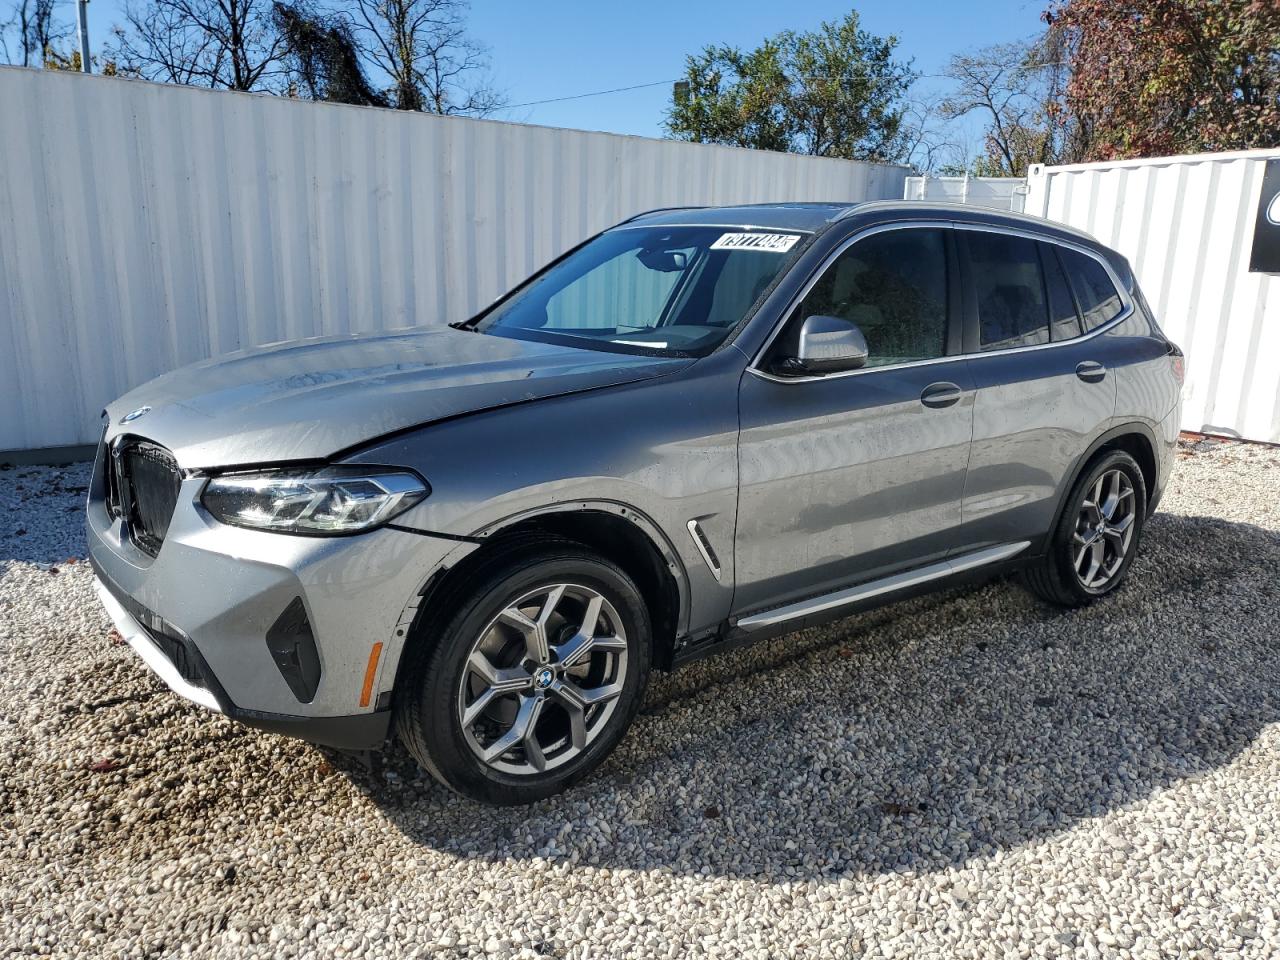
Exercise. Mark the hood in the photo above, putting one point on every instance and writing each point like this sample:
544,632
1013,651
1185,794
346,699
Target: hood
310,399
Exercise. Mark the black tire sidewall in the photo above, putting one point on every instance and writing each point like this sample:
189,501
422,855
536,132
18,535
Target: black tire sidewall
1062,546
439,727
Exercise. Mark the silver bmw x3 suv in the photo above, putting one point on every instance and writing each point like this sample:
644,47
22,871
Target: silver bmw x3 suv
699,428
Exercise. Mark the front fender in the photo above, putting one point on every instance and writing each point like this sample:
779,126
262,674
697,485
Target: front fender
661,453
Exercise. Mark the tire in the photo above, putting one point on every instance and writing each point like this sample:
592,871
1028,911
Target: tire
1057,577
568,725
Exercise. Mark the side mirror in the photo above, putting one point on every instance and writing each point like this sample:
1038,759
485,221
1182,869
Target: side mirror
827,345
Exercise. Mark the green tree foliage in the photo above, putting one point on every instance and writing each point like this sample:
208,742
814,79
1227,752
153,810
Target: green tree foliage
837,91
1159,77
70,62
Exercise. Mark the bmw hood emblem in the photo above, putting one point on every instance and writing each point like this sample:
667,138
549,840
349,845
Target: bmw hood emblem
130,417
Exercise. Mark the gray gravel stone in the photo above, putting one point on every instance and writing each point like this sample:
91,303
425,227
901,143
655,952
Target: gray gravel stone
965,775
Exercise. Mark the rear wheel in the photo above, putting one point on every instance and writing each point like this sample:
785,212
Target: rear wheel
1098,535
534,678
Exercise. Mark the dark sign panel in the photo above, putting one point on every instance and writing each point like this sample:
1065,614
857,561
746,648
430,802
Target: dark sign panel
1266,230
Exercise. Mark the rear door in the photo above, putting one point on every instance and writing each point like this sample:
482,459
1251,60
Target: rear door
849,476
1043,389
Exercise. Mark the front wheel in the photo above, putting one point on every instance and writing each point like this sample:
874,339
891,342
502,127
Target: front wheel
534,678
1098,535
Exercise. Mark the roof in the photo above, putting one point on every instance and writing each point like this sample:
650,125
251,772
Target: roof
787,216
815,216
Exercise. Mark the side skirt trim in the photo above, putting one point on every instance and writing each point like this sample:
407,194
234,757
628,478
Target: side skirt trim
864,591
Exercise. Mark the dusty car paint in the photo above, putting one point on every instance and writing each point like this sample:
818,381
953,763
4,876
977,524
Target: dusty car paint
310,399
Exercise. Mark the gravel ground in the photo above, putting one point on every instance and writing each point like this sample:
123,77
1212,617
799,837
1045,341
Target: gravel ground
972,774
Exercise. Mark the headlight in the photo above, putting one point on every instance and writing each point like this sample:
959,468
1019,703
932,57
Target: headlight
328,500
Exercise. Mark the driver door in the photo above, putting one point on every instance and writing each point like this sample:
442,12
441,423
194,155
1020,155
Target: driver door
855,475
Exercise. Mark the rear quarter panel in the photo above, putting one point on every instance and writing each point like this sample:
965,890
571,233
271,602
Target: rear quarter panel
1148,392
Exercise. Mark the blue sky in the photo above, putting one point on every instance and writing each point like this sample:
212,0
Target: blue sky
558,48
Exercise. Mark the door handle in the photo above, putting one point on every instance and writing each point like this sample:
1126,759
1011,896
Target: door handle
1090,371
941,394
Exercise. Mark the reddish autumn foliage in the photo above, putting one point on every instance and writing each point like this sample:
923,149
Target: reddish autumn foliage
1160,77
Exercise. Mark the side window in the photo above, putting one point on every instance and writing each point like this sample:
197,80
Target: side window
893,285
1064,322
1009,289
1099,300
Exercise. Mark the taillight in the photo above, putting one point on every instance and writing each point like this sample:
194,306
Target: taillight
1177,363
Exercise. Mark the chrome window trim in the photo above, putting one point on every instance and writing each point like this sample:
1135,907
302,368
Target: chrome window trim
756,368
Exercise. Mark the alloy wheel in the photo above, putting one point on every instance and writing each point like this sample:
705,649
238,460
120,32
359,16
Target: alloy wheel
542,679
1104,530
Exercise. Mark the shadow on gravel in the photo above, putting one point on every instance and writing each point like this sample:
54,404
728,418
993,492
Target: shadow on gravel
914,737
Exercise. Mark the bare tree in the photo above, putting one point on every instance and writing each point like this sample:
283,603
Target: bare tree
929,141
1020,89
1072,133
998,82
30,33
230,44
415,50
422,48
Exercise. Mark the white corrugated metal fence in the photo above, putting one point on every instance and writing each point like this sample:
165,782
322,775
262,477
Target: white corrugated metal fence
1186,225
143,226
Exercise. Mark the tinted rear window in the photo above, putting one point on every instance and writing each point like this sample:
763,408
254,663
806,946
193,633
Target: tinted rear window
1098,298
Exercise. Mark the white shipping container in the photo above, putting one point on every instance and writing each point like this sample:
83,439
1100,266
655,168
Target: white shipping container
1186,225
146,226
996,193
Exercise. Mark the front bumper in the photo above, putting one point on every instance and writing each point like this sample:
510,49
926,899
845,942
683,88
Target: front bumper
204,615
360,731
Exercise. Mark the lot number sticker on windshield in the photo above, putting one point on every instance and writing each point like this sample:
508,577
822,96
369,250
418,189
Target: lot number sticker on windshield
766,242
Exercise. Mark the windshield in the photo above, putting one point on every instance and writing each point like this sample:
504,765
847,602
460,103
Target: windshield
675,291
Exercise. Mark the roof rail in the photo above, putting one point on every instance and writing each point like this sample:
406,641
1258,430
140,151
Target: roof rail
944,208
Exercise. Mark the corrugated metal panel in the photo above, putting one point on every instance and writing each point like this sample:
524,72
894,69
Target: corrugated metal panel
1186,226
997,193
143,226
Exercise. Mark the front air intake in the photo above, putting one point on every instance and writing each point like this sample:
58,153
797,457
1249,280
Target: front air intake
293,648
